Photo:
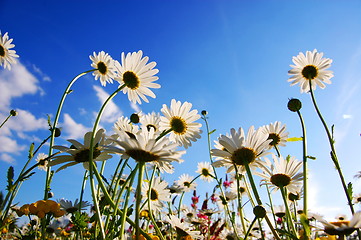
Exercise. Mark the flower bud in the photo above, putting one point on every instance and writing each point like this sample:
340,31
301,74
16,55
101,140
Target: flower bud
57,132
13,113
294,105
204,112
259,211
134,118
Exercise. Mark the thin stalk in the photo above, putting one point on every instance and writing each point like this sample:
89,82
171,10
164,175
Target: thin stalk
288,213
250,227
258,199
305,168
6,119
333,150
138,198
240,208
57,115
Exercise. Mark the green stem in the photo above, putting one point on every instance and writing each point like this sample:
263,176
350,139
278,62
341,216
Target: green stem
250,227
258,199
288,213
60,107
305,168
138,198
333,150
5,120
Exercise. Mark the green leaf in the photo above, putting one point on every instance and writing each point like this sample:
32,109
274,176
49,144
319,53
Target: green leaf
306,226
10,177
350,190
31,151
212,131
294,139
311,157
26,177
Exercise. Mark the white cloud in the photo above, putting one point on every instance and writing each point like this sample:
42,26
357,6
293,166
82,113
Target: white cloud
16,83
112,112
135,107
73,129
346,116
9,145
25,122
45,77
7,158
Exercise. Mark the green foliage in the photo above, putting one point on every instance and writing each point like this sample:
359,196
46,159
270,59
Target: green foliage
10,178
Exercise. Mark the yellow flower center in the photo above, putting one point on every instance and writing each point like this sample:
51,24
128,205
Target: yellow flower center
310,72
178,125
140,155
83,155
280,180
243,156
275,139
131,80
102,68
153,195
2,51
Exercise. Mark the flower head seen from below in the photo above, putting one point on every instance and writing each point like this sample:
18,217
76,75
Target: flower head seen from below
42,160
150,120
277,133
80,153
157,193
137,76
180,120
205,170
7,55
282,173
341,227
105,67
240,150
69,207
144,147
186,182
308,68
183,229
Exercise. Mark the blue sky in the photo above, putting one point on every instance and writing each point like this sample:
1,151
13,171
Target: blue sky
227,57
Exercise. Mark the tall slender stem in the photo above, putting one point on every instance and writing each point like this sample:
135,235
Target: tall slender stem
138,198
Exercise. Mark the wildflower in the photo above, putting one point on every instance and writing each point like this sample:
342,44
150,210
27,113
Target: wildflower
357,198
180,120
186,181
282,173
150,120
69,207
7,56
105,67
184,231
240,150
42,160
157,193
123,126
79,153
341,227
279,210
137,76
310,67
277,133
144,147
294,105
206,171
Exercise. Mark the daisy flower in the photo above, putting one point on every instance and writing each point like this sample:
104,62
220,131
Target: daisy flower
310,67
150,120
181,121
144,147
239,149
186,181
124,126
137,76
105,67
282,173
79,153
341,227
357,198
183,229
206,171
43,161
277,133
279,210
158,193
7,56
69,207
